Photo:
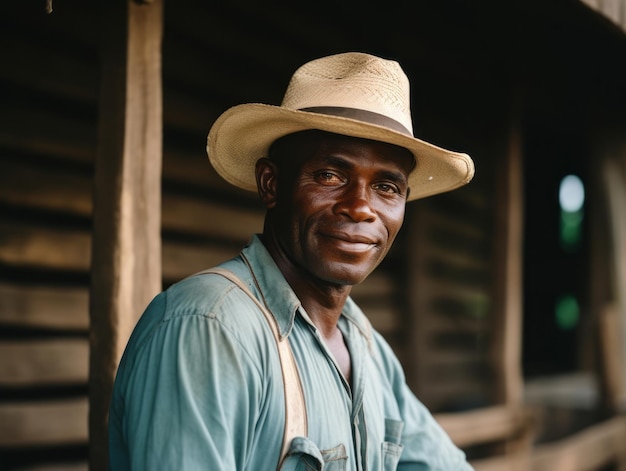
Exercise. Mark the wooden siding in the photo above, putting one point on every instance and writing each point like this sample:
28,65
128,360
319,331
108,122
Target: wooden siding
450,297
47,149
432,298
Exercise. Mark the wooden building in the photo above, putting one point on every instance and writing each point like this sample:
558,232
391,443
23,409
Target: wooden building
106,195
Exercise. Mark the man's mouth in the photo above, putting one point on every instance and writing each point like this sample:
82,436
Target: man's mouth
351,242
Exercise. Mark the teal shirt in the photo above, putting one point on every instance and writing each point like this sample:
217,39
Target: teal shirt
200,387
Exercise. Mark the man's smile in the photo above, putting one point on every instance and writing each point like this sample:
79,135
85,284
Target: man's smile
351,242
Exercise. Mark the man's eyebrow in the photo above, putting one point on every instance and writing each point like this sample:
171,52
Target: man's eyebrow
397,177
339,162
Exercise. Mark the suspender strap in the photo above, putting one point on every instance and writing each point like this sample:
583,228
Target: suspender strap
295,408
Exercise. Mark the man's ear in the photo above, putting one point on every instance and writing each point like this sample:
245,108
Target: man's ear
266,181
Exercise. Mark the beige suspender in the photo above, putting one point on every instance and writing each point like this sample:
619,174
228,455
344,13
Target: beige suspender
295,408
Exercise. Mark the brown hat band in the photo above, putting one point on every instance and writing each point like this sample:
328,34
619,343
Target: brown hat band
360,115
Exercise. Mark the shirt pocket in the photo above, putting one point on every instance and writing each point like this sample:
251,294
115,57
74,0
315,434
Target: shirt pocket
391,455
391,448
303,455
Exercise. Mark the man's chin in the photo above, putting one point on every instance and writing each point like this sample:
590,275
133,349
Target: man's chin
346,278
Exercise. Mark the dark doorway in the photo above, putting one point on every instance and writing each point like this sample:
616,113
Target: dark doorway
555,250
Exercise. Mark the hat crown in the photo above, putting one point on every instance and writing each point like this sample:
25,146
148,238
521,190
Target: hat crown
352,80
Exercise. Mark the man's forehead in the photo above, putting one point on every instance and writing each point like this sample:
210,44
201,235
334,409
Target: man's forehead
315,143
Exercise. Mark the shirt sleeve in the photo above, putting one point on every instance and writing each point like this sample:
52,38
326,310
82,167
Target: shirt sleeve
427,447
186,396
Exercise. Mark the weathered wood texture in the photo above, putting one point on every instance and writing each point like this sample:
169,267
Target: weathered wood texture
506,350
48,148
432,299
449,297
598,447
126,248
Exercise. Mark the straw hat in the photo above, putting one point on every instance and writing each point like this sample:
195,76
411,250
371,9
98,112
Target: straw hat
353,94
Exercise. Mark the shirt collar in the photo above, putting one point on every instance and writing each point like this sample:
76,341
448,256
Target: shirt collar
280,298
274,289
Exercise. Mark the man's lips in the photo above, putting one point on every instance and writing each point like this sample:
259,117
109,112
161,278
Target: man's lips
351,242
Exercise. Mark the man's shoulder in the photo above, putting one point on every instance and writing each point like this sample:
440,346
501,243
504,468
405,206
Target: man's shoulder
202,299
206,293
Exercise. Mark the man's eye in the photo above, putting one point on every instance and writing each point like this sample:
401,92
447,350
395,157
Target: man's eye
387,188
326,176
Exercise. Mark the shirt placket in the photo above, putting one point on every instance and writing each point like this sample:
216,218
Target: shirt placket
358,352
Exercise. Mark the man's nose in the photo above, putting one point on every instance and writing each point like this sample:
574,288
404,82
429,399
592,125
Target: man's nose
355,203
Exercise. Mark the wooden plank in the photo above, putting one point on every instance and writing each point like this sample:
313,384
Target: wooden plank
592,448
194,216
48,423
44,307
28,185
483,425
31,246
126,252
50,248
180,261
194,169
67,138
43,362
46,187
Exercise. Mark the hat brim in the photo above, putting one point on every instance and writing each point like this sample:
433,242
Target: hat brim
244,133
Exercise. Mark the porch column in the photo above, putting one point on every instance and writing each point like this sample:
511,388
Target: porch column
126,250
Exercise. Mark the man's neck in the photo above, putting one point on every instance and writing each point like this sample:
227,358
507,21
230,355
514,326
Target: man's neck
322,301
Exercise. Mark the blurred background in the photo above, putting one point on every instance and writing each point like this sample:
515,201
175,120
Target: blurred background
505,300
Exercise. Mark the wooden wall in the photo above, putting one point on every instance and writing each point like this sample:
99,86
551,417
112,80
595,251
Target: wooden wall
212,59
47,143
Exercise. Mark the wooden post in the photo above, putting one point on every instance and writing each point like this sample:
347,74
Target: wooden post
506,353
612,309
126,250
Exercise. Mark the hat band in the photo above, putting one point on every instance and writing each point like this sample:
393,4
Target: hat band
360,115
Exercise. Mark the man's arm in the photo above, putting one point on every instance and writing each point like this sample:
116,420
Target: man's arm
187,395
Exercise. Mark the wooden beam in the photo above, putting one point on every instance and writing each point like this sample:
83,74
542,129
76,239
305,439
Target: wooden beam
28,185
484,425
611,339
506,348
126,251
46,248
614,179
43,362
55,308
43,423
592,448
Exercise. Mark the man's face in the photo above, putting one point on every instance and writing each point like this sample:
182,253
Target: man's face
339,205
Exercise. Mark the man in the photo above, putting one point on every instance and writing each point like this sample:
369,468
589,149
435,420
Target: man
202,384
